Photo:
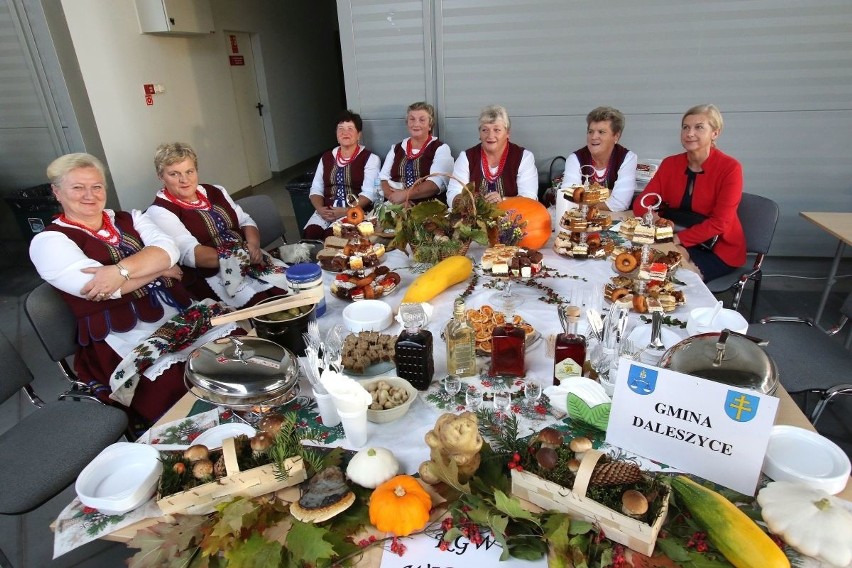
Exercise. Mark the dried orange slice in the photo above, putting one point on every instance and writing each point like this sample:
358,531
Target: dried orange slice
484,346
487,310
498,318
482,336
517,320
528,329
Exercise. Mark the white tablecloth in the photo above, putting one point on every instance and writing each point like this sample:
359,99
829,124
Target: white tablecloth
405,436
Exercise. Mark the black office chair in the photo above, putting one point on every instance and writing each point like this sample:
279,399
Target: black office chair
46,450
56,328
264,211
758,216
809,361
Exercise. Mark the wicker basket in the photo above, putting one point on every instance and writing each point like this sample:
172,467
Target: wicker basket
462,251
254,482
630,532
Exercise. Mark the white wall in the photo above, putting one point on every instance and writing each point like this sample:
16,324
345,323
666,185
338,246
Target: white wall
780,70
198,105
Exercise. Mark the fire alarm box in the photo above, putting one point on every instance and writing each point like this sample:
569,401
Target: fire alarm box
175,17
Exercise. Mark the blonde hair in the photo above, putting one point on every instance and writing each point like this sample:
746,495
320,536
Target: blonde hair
172,153
714,117
495,113
61,166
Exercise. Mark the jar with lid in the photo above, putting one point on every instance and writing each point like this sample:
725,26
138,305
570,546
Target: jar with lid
306,276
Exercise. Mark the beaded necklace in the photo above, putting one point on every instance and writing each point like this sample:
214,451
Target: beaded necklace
202,203
486,171
343,162
108,233
411,153
600,179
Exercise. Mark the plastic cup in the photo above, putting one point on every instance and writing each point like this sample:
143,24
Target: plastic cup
355,426
327,409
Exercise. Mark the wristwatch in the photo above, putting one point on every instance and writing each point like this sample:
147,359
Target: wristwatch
123,271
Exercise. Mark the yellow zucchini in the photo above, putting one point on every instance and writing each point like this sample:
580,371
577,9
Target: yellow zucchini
449,271
730,530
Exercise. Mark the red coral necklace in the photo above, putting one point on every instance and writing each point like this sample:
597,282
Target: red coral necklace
343,162
107,233
411,153
201,203
486,171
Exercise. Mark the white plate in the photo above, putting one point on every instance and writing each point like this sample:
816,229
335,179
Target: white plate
799,455
641,336
214,437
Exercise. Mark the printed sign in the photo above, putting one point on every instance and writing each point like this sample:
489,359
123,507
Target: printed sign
234,47
149,100
423,550
706,428
236,60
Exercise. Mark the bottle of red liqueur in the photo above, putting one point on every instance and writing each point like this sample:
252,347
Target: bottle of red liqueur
570,351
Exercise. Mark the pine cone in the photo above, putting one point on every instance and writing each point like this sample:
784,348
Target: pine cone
615,473
219,468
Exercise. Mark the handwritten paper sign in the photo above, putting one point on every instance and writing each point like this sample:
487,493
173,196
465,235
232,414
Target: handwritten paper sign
710,429
422,551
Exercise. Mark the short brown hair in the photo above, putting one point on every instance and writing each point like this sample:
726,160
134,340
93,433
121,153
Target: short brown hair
422,105
172,153
613,115
493,114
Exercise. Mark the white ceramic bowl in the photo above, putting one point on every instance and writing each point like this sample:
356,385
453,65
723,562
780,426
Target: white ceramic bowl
397,412
122,477
801,456
727,319
367,315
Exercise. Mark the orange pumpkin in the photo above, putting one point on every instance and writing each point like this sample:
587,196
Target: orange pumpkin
537,217
400,506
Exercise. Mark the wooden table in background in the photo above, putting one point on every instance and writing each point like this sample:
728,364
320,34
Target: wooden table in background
838,225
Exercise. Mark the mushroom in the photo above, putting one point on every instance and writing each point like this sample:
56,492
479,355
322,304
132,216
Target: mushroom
202,469
579,446
261,443
195,453
573,465
633,503
546,458
549,438
271,424
179,468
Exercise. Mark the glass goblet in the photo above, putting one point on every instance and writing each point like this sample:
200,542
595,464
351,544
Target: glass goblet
532,392
473,398
452,386
502,402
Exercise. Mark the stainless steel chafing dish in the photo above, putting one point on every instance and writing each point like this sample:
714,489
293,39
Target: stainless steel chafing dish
726,357
242,373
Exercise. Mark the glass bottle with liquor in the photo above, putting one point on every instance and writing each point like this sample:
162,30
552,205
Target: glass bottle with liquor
461,343
508,346
414,361
570,349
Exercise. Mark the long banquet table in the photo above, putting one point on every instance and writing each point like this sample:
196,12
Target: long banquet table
405,436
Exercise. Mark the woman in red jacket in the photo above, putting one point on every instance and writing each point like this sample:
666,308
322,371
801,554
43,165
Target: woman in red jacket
703,181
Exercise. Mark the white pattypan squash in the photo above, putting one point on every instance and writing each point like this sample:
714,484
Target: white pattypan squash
371,467
810,520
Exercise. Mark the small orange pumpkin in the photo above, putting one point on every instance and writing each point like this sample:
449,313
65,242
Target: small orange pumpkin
537,217
400,506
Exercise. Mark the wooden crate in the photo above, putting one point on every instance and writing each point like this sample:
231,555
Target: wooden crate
251,483
618,527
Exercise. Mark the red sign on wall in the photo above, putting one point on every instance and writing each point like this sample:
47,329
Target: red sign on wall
234,47
149,100
237,60
149,88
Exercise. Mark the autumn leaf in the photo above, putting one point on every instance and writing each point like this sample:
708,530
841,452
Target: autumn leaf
306,542
236,514
164,541
256,552
511,506
556,527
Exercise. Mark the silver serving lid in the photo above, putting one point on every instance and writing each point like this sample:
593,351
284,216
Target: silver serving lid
240,370
725,357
